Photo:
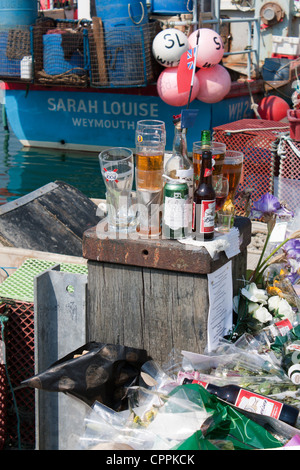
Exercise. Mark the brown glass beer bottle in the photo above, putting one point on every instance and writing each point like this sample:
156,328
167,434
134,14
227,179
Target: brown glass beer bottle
251,401
204,201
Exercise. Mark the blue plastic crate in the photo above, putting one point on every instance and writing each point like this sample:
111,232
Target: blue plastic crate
276,69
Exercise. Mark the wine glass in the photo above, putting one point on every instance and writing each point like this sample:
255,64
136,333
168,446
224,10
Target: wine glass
221,187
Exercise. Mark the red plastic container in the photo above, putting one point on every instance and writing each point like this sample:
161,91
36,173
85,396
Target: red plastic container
294,120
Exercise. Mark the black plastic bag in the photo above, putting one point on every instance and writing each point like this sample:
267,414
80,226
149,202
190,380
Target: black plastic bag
94,372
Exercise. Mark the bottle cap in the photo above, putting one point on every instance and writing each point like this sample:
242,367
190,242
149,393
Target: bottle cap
294,374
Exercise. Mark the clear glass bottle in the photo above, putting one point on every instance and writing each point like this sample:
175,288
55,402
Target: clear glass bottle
178,188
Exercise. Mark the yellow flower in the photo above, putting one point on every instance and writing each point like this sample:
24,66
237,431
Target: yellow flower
273,290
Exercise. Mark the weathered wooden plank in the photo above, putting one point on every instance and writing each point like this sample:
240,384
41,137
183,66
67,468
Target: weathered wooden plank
98,35
153,309
51,219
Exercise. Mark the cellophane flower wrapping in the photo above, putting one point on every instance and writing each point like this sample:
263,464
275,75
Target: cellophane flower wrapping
166,414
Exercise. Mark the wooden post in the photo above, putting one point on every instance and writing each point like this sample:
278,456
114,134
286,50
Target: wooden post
153,294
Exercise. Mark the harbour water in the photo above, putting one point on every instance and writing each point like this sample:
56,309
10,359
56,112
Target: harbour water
23,170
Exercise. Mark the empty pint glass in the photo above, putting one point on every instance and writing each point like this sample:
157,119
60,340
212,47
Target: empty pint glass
218,154
117,169
150,140
232,169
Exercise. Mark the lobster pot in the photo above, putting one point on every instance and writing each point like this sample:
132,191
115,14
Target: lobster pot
289,174
132,13
122,56
14,46
257,140
59,53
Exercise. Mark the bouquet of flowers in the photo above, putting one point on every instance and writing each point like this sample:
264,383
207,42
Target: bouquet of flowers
269,295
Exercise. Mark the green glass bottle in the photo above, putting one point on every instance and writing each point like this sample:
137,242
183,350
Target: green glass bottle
205,139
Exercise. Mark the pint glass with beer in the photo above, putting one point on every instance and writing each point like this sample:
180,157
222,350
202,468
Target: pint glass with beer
150,147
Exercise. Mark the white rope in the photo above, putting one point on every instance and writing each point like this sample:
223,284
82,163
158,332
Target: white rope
288,139
256,129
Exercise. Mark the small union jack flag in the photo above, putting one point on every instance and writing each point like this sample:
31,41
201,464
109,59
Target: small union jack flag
185,70
190,58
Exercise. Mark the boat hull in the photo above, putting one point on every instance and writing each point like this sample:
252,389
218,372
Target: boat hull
90,119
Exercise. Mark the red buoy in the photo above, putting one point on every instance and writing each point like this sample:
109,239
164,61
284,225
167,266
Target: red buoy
273,108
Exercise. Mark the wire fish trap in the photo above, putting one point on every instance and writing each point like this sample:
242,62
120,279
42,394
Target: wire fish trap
15,45
60,54
121,55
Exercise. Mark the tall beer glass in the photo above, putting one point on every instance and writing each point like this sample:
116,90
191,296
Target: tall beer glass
232,169
218,154
150,147
117,169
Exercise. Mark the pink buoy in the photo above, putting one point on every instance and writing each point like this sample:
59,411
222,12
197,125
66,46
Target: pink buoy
214,84
273,108
210,47
168,91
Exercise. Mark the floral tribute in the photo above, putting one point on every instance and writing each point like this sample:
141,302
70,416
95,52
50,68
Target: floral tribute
269,292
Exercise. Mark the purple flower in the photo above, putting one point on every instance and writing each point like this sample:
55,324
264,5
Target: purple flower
292,249
268,206
293,277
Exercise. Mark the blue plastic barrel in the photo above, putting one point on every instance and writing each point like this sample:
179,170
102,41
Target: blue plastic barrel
132,12
171,7
18,13
54,58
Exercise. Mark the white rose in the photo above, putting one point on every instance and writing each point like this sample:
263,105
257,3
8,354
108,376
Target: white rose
262,315
281,305
285,309
273,302
252,307
254,294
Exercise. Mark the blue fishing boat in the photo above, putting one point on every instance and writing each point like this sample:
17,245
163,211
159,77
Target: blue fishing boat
83,83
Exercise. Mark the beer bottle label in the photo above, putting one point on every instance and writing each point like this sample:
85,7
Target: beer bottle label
207,216
207,172
200,382
255,403
284,326
203,220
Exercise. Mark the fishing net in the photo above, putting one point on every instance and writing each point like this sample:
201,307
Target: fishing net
257,140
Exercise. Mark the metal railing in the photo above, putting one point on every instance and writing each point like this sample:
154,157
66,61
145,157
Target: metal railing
253,47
